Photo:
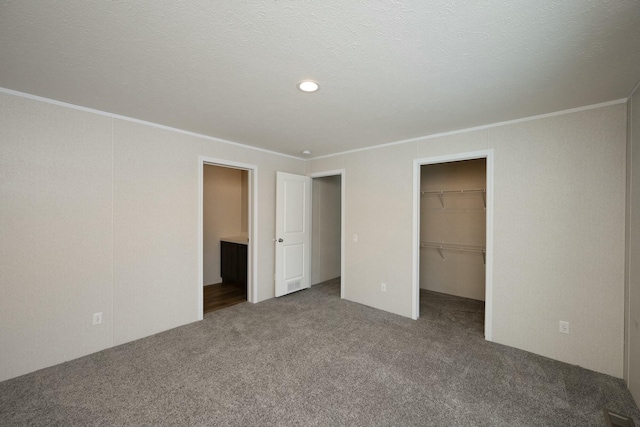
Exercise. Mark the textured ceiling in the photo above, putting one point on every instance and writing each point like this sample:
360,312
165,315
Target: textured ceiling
388,70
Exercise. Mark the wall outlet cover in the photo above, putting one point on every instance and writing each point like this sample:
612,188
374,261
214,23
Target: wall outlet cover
97,318
564,327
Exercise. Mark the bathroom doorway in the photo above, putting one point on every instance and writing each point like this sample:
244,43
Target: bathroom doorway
225,236
226,228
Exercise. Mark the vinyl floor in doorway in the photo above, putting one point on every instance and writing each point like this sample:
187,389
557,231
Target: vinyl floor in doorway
313,359
223,295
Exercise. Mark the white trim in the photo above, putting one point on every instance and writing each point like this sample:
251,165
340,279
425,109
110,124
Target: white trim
341,173
488,303
482,154
252,249
626,362
476,128
111,321
200,302
324,174
415,248
142,122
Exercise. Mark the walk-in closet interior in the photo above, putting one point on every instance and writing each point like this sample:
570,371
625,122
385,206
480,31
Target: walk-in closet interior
453,228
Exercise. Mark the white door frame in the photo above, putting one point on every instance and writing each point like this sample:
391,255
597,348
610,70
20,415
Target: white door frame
252,232
341,173
417,163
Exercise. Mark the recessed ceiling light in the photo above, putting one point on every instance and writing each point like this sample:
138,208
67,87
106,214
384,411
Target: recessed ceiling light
306,152
308,86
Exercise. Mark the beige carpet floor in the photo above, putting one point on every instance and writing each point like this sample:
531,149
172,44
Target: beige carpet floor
312,359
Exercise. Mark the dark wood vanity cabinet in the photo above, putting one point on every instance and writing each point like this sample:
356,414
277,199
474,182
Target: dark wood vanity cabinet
233,263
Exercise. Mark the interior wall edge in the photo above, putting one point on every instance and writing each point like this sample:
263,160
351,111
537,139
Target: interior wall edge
627,260
632,247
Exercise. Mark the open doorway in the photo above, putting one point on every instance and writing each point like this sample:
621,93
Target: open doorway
327,231
453,242
226,234
453,234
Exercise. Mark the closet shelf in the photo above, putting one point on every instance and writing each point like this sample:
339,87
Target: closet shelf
441,247
441,193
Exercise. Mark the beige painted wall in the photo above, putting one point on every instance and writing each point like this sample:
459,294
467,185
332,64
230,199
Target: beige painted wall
223,216
325,238
462,221
558,230
633,235
56,224
101,215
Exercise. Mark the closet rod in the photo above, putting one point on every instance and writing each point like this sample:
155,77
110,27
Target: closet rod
452,247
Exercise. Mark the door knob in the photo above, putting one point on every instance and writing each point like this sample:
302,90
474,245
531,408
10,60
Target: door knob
280,240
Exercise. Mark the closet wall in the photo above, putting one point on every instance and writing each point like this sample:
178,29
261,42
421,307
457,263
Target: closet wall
453,228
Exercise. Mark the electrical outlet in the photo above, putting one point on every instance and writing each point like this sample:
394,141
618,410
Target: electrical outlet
564,327
383,287
355,238
97,318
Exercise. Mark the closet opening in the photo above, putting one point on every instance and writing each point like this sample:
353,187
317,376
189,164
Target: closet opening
453,241
453,235
326,232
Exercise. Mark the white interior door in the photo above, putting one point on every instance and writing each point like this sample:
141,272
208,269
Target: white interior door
293,233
